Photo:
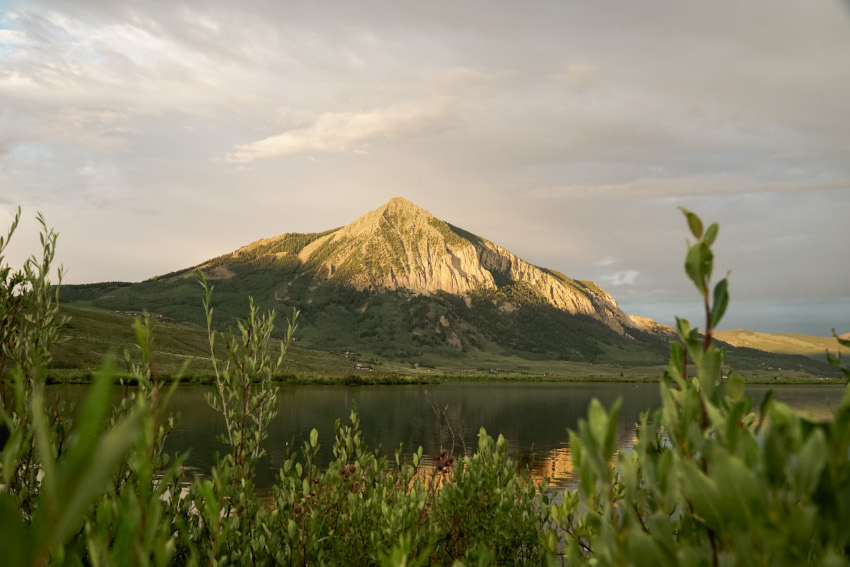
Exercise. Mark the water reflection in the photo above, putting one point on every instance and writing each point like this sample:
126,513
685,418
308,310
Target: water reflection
534,418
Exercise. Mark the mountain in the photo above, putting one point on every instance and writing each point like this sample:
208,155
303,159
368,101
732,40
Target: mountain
399,283
401,246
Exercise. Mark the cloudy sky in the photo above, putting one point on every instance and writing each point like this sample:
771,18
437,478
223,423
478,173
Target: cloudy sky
156,134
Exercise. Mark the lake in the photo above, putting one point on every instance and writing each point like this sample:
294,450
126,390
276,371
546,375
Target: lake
533,417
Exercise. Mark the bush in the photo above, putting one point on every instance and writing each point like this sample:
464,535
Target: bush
708,482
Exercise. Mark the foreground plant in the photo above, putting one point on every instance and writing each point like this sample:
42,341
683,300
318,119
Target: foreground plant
245,392
709,481
51,471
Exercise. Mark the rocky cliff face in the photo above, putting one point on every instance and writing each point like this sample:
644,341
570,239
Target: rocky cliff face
400,245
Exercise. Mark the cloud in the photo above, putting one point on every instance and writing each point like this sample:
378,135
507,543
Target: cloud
350,131
624,277
12,38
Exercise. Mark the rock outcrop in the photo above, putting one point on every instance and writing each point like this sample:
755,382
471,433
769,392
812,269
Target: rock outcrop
654,327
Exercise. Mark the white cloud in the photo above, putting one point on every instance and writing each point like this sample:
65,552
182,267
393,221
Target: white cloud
624,277
12,37
350,131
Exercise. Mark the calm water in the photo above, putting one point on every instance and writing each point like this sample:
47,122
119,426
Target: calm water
534,418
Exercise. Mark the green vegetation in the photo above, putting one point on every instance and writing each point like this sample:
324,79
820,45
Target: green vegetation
390,236
290,243
453,236
323,253
708,481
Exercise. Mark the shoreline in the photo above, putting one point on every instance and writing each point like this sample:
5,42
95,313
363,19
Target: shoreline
72,376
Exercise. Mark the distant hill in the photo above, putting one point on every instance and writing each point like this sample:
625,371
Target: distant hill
401,284
790,343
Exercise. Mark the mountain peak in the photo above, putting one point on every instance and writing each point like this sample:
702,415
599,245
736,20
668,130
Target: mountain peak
400,203
394,219
400,207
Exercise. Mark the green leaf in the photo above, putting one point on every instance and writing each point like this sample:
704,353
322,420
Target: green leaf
611,435
684,327
710,234
81,474
709,370
740,490
314,438
210,503
735,383
763,409
698,264
44,446
598,421
642,550
677,360
720,303
702,492
15,541
812,460
694,222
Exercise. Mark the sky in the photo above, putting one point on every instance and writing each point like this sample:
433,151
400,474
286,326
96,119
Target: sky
154,135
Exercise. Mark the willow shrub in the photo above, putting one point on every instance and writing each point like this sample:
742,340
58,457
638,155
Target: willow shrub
708,482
